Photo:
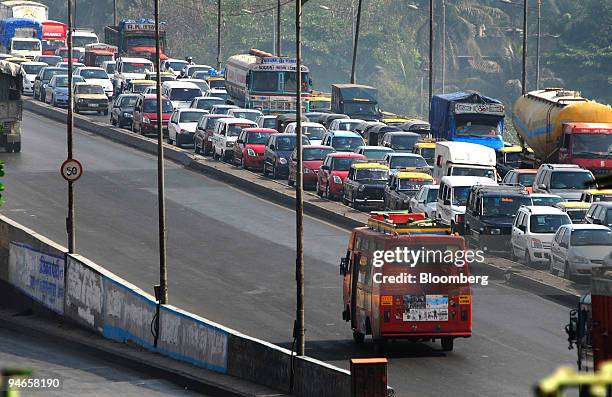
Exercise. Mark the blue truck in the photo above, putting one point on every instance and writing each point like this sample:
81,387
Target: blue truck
468,117
21,37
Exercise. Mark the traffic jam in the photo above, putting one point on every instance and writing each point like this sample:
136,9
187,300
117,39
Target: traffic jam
453,183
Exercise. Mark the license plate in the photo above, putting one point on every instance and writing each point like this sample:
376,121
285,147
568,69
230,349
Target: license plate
92,105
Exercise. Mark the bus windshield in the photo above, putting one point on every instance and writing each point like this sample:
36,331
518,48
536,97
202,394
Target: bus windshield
26,45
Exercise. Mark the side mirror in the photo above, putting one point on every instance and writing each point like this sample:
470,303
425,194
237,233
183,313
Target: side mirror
271,147
325,167
542,186
447,202
597,221
239,141
343,266
563,244
522,228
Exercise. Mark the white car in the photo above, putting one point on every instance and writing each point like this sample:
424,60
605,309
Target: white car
202,84
29,71
225,135
150,90
250,114
130,69
174,65
267,121
218,92
188,70
425,201
182,125
453,195
532,233
313,131
577,248
109,67
97,76
345,124
75,65
180,93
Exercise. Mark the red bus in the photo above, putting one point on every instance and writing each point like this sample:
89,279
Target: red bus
53,36
421,299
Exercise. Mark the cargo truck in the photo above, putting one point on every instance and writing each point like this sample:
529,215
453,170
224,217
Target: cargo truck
136,38
24,9
356,100
53,36
11,81
467,117
21,37
561,126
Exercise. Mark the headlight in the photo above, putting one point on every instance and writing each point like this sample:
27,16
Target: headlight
81,100
282,160
337,179
581,259
307,170
251,152
128,115
495,231
229,144
406,201
361,188
535,243
146,120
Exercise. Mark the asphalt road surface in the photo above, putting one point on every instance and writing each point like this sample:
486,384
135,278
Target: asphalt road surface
231,259
80,373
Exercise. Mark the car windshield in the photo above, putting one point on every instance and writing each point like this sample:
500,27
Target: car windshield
258,138
403,142
208,103
609,216
184,94
236,129
347,143
110,68
270,122
593,145
313,132
190,117
197,68
128,101
150,106
577,215
467,171
287,143
348,125
202,85
504,206
135,67
526,179
428,152
413,183
89,89
586,237
216,83
373,174
138,88
460,195
177,65
513,158
211,123
32,69
546,201
547,223
343,163
82,41
26,45
432,196
360,108
50,59
602,197
407,161
222,95
315,106
571,180
246,115
49,73
477,128
312,154
62,81
375,154
94,74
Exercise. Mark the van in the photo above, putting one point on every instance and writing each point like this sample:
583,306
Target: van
565,180
453,196
225,135
400,141
180,93
464,159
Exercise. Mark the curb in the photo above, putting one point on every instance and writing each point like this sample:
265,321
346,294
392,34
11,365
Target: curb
337,214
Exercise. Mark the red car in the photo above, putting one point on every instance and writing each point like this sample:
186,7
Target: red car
333,172
144,117
312,159
250,146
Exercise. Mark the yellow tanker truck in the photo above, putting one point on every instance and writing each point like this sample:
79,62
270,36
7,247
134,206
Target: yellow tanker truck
563,127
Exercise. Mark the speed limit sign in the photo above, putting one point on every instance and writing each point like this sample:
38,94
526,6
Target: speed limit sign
71,170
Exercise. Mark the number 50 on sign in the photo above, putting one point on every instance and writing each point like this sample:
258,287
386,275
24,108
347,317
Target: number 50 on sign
71,170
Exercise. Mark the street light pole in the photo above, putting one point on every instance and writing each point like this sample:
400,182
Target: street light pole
443,38
524,71
355,42
70,221
161,198
299,200
114,12
218,34
537,76
431,16
278,28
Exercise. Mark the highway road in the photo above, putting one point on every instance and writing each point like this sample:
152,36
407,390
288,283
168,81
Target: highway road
231,259
81,374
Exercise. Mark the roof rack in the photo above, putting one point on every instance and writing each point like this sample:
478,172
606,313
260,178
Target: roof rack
405,222
505,187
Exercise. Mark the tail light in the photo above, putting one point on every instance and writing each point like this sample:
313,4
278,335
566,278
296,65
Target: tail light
459,218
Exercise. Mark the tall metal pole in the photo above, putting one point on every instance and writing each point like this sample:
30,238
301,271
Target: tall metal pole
537,75
524,72
431,39
443,38
355,42
114,12
278,28
299,200
218,34
70,221
161,198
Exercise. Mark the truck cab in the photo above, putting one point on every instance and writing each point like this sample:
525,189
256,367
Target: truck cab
464,159
356,100
128,69
587,145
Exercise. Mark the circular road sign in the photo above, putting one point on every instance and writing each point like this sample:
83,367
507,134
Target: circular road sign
71,170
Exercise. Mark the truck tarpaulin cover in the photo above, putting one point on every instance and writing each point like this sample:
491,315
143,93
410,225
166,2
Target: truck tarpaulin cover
352,92
441,106
8,27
